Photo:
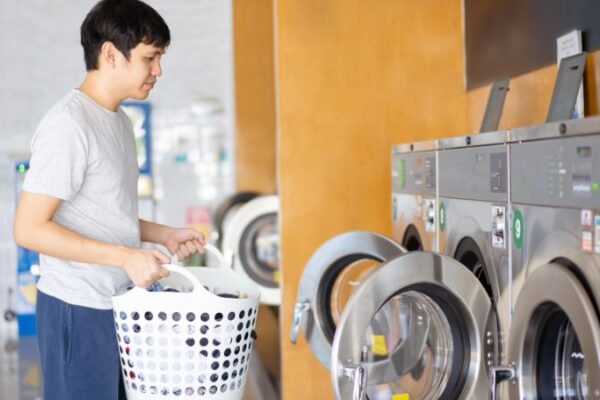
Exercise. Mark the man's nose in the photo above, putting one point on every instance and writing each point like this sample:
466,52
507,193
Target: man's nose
157,69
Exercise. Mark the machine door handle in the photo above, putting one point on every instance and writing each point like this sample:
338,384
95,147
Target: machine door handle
300,311
358,374
498,375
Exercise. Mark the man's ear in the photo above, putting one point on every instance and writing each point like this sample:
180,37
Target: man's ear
108,55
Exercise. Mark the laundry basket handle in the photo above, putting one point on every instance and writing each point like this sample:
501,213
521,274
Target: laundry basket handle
217,253
209,249
196,285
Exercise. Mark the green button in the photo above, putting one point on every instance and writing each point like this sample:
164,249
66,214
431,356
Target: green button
442,218
594,186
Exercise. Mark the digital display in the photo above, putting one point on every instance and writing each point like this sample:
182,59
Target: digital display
584,151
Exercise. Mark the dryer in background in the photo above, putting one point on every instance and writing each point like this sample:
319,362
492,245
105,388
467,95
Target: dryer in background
473,205
251,243
414,195
226,210
329,279
554,342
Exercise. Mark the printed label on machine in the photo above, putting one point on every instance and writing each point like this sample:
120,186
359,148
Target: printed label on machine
597,233
499,227
587,234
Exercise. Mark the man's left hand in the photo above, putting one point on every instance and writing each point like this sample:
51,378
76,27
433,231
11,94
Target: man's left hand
184,242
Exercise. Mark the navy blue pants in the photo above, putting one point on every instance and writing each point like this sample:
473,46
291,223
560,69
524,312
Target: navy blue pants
78,351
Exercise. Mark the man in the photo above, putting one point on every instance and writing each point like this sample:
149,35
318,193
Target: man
78,207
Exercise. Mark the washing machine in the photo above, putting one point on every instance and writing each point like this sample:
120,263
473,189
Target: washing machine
330,277
554,342
414,195
414,329
225,211
251,245
473,205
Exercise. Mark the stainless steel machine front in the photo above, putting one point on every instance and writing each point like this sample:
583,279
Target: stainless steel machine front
414,195
554,342
473,229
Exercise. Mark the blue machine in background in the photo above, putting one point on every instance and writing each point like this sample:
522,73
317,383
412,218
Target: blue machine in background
28,263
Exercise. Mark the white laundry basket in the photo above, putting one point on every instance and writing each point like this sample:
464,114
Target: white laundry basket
188,345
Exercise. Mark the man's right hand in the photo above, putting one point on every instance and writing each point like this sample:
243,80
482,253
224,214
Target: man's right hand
143,266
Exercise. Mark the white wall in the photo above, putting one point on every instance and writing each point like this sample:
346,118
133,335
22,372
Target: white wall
41,59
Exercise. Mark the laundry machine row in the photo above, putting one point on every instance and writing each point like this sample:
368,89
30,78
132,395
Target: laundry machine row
513,292
421,324
431,324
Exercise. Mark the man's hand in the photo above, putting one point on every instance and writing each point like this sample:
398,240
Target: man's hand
184,242
144,266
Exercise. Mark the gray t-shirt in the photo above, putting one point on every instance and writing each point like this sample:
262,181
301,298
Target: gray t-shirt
85,155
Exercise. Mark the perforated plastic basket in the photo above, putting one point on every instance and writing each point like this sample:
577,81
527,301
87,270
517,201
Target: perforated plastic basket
194,344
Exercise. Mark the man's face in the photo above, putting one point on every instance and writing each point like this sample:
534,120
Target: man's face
140,73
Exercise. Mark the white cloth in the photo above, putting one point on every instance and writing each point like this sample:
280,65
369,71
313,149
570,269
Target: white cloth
85,155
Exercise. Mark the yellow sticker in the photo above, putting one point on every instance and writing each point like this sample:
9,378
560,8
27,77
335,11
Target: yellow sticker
276,276
378,345
402,396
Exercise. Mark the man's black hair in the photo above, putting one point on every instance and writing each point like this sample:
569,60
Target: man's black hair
125,23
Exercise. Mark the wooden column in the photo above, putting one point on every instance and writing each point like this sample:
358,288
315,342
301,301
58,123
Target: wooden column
354,77
254,67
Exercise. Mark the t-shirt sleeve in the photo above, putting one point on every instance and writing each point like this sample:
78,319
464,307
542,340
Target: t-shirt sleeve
58,159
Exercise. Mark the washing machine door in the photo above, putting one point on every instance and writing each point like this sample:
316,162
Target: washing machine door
555,338
413,330
225,212
332,274
251,243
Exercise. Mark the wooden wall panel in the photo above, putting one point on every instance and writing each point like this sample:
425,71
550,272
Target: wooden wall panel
254,95
353,78
255,133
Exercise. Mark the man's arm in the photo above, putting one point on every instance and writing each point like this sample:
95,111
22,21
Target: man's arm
35,230
181,241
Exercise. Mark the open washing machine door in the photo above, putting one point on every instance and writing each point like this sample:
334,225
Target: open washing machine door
413,330
554,344
251,242
330,278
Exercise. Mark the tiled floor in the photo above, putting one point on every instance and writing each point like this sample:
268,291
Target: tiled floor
20,373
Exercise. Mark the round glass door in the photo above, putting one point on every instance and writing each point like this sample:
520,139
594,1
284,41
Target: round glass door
259,250
413,329
412,323
555,338
346,283
560,361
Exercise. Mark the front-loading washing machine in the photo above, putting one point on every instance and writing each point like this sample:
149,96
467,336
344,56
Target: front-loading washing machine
330,277
414,195
225,211
554,342
251,245
414,329
473,198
